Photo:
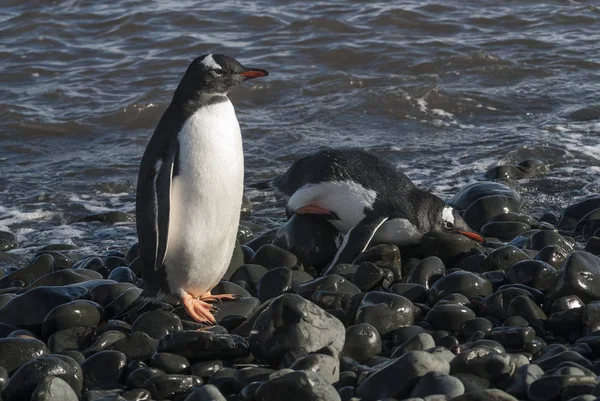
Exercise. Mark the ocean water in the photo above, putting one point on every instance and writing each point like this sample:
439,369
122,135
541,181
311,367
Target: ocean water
443,90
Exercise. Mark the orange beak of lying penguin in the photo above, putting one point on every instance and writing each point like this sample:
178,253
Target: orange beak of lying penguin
254,73
472,234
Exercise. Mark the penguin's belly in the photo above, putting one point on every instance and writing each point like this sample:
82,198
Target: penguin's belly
205,200
347,199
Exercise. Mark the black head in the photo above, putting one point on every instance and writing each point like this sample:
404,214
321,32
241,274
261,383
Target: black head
444,218
215,74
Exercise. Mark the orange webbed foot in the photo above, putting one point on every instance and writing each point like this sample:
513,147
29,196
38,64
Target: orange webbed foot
197,309
208,297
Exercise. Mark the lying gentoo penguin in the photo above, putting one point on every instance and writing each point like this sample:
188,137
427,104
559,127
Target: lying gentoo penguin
190,186
367,199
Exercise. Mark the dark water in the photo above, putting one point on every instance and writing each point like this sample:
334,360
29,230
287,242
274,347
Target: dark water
442,89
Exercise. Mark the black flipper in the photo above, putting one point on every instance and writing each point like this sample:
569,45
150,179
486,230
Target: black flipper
163,198
357,240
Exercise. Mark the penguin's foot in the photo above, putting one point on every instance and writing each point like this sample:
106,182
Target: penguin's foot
208,297
312,209
197,309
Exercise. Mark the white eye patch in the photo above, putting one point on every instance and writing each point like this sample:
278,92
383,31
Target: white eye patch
448,215
210,63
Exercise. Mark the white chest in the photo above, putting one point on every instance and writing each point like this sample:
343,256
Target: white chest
205,199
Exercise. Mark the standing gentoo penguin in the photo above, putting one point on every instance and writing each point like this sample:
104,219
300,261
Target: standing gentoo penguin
366,198
190,186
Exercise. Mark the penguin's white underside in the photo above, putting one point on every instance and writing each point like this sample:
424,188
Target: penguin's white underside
348,199
205,200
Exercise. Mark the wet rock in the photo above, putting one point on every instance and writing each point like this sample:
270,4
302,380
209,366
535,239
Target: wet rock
484,362
225,287
169,363
204,345
580,276
450,248
504,230
25,380
513,338
552,361
554,255
398,377
157,324
93,263
15,352
427,271
326,366
233,313
362,342
478,324
104,370
502,258
311,238
522,379
368,276
29,310
299,385
546,388
136,346
484,209
420,342
63,278
413,292
386,312
138,377
274,283
466,283
485,395
104,340
292,324
593,245
110,217
532,273
572,214
122,302
53,389
208,392
251,374
449,317
8,241
525,307
78,313
39,267
543,238
168,386
123,274
331,282
438,383
588,224
73,338
250,273
271,256
497,304
472,192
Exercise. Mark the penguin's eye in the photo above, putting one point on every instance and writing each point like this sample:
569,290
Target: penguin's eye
217,72
448,225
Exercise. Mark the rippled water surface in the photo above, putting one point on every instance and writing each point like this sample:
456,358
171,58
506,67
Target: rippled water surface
443,89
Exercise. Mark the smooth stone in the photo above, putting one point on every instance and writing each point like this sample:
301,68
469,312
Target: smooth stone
368,276
481,362
79,313
263,239
326,366
438,383
206,369
29,310
485,395
484,209
547,387
574,213
8,241
4,299
532,273
399,376
117,325
224,380
420,342
466,283
593,245
504,230
204,345
136,346
580,276
104,370
472,192
331,282
37,268
93,263
122,302
53,389
236,311
449,317
386,312
498,303
104,294
62,278
311,238
226,287
208,392
362,342
554,255
123,274
251,374
565,303
543,238
588,224
250,273
477,324
403,334
413,292
169,363
274,283
138,377
104,340
522,379
471,263
157,324
16,352
472,383
512,338
25,380
271,256
505,172
518,217
590,318
427,271
61,261
297,385
110,217
169,386
73,338
553,361
291,324
331,300
525,307
502,258
449,247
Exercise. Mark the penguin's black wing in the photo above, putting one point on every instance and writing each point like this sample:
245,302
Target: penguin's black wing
163,200
357,240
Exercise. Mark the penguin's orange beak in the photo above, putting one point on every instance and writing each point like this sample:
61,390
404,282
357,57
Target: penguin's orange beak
254,73
473,235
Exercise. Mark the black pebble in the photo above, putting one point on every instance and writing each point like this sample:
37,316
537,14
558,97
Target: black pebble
271,256
104,370
15,352
79,313
137,345
53,388
385,311
274,283
157,324
123,274
169,363
204,345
